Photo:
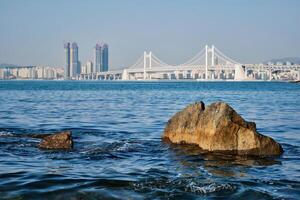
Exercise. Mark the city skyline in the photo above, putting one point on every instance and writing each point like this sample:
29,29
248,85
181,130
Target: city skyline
209,64
73,66
249,31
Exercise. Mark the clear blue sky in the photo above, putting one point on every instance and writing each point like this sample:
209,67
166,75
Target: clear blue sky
33,31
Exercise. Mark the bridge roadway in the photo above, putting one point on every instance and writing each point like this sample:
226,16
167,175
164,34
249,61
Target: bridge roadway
166,69
117,74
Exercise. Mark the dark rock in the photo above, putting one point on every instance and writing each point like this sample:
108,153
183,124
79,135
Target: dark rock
60,140
218,127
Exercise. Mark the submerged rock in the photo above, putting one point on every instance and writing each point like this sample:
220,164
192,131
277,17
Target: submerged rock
218,127
60,140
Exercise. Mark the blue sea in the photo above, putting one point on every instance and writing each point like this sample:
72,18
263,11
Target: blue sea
118,152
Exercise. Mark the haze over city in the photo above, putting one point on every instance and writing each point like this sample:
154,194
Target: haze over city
33,32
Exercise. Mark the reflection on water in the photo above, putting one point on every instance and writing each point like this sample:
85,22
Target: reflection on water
194,153
118,152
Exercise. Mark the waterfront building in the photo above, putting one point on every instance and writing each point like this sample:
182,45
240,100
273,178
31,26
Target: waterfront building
104,66
32,72
49,73
83,69
40,72
25,73
97,58
22,73
1,73
14,72
75,64
89,67
67,61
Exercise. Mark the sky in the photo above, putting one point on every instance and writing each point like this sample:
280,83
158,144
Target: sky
32,32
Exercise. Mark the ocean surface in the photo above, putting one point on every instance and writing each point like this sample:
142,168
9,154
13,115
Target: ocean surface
118,152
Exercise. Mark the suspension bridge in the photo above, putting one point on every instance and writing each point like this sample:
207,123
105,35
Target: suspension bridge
208,64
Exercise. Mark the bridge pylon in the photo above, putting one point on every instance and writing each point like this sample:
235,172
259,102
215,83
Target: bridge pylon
212,51
206,61
147,61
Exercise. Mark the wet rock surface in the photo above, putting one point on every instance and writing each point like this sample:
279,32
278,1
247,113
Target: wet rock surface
59,140
218,127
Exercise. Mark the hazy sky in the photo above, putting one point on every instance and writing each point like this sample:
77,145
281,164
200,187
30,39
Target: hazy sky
249,31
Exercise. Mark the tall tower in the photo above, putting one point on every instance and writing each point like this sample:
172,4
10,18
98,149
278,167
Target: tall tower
67,61
104,66
97,58
75,68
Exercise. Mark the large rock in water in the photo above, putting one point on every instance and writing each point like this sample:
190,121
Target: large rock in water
218,127
60,140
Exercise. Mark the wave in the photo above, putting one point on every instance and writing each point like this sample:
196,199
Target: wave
184,185
210,188
5,134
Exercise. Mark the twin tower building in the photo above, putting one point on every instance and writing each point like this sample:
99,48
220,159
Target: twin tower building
73,66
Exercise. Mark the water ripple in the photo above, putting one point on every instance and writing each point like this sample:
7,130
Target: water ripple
118,153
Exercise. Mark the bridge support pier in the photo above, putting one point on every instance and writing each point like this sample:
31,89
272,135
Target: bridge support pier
219,75
125,75
239,73
206,62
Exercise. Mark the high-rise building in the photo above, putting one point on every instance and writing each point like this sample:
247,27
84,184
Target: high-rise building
97,58
75,65
67,62
79,68
104,66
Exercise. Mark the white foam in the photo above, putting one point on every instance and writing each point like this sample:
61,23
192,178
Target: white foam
193,187
4,133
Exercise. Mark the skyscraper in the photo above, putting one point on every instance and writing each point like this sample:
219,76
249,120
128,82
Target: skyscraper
67,64
75,67
97,58
79,68
104,66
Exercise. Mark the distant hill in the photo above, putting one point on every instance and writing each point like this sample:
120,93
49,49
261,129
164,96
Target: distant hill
295,60
8,65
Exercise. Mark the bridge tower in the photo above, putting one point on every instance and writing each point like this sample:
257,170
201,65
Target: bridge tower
206,61
212,55
212,58
212,51
149,57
